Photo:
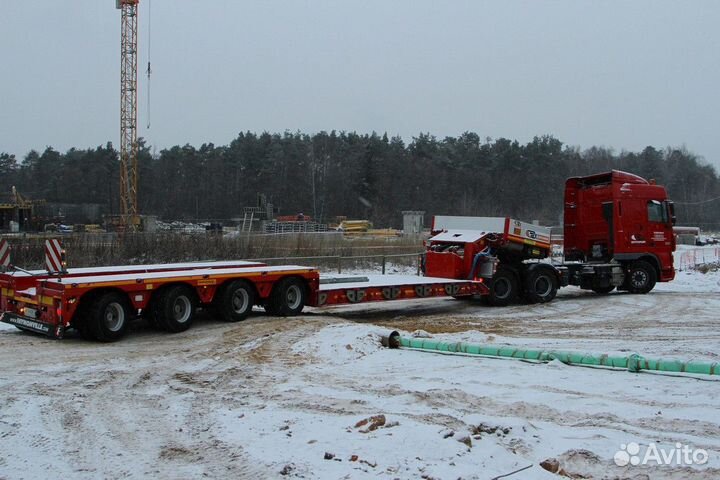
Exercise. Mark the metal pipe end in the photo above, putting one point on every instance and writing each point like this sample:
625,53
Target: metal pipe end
391,341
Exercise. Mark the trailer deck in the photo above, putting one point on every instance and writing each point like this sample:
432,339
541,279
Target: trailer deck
374,288
50,303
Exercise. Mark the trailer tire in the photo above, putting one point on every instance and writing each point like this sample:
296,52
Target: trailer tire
503,287
287,298
150,315
174,309
81,321
641,277
235,301
541,285
107,318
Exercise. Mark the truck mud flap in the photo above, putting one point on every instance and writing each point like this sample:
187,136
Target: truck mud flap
29,324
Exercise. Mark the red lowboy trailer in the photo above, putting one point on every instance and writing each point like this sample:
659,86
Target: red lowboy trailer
100,302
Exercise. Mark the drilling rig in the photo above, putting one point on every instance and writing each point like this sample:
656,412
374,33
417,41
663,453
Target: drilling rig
129,218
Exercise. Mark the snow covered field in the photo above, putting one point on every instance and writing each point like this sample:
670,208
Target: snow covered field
316,396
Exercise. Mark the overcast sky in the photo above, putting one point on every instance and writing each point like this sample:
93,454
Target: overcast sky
613,73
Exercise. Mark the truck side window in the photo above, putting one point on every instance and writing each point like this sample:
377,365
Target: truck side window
656,212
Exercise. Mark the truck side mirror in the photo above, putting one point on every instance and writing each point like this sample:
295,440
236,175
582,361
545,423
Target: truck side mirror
671,211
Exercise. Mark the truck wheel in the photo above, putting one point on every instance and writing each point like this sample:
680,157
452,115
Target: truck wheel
287,298
541,285
603,290
504,287
641,277
174,310
235,301
108,317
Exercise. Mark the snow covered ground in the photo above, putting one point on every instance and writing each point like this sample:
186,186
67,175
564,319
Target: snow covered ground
317,396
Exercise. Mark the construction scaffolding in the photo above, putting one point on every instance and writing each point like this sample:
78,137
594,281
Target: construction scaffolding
17,212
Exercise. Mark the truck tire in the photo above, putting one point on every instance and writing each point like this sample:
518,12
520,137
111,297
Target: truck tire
541,285
287,298
235,301
503,287
641,277
107,317
174,309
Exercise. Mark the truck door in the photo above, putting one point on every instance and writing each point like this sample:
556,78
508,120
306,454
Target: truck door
658,223
608,215
661,240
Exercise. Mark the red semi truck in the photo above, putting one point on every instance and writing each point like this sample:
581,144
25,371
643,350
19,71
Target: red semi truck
618,233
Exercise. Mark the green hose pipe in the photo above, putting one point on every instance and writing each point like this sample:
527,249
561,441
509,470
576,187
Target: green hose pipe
633,362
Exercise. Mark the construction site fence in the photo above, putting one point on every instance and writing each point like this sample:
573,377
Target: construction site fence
389,263
87,250
688,259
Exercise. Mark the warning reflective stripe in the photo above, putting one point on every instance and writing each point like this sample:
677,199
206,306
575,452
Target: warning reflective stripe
53,256
4,253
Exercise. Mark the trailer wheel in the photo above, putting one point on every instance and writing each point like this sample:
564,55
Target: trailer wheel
287,298
641,277
235,301
108,317
541,285
150,315
174,310
81,320
504,287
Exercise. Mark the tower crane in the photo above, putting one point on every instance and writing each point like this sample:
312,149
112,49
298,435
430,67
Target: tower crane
128,114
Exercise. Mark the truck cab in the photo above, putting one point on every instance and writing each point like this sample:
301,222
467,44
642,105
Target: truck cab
621,219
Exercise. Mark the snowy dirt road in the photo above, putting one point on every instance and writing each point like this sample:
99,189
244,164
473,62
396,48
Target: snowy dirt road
286,398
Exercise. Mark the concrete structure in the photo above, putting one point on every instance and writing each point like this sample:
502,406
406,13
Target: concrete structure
413,223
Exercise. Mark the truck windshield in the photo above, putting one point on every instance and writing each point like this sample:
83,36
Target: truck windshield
656,212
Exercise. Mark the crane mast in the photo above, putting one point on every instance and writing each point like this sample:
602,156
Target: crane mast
128,114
